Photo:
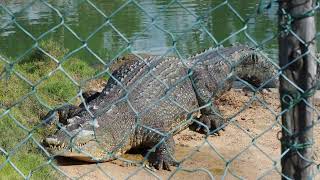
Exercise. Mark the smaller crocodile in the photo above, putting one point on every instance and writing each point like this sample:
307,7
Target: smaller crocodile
150,99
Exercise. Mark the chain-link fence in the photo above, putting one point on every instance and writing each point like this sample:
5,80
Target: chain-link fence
115,90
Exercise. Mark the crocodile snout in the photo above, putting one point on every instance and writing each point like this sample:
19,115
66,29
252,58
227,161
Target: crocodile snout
79,138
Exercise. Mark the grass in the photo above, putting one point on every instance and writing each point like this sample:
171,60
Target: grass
22,105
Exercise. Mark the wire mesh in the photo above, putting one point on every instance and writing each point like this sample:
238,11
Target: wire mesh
146,99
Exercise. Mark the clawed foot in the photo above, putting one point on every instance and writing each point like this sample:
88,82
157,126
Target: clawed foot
161,161
162,157
213,124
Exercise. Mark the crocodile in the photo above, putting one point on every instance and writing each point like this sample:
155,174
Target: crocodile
149,99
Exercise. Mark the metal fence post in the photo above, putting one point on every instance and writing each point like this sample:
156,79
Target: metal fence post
297,84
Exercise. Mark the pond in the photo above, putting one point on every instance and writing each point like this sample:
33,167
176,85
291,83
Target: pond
110,28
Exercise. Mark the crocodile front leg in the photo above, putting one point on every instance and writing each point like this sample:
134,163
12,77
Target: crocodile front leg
162,157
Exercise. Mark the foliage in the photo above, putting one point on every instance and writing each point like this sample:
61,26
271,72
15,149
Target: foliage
24,101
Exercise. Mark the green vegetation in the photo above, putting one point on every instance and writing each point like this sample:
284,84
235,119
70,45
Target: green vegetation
23,104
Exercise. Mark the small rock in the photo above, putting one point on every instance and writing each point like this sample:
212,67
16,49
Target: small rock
242,118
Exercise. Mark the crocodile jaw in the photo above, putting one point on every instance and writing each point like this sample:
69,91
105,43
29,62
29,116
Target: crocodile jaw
81,146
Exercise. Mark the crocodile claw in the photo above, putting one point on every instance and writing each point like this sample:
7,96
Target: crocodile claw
161,158
162,161
213,123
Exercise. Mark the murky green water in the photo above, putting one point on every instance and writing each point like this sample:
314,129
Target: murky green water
151,26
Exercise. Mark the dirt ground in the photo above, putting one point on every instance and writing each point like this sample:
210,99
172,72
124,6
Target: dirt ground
248,148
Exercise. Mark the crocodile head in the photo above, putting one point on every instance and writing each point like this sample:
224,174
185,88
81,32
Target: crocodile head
79,140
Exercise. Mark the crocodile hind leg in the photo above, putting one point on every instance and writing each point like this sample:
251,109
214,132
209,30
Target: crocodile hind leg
162,158
205,89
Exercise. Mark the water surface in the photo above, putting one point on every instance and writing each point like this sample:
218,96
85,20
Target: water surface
147,26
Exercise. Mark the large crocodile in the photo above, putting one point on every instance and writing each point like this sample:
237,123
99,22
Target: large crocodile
148,100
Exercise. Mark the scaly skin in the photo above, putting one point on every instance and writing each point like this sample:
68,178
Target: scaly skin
148,101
